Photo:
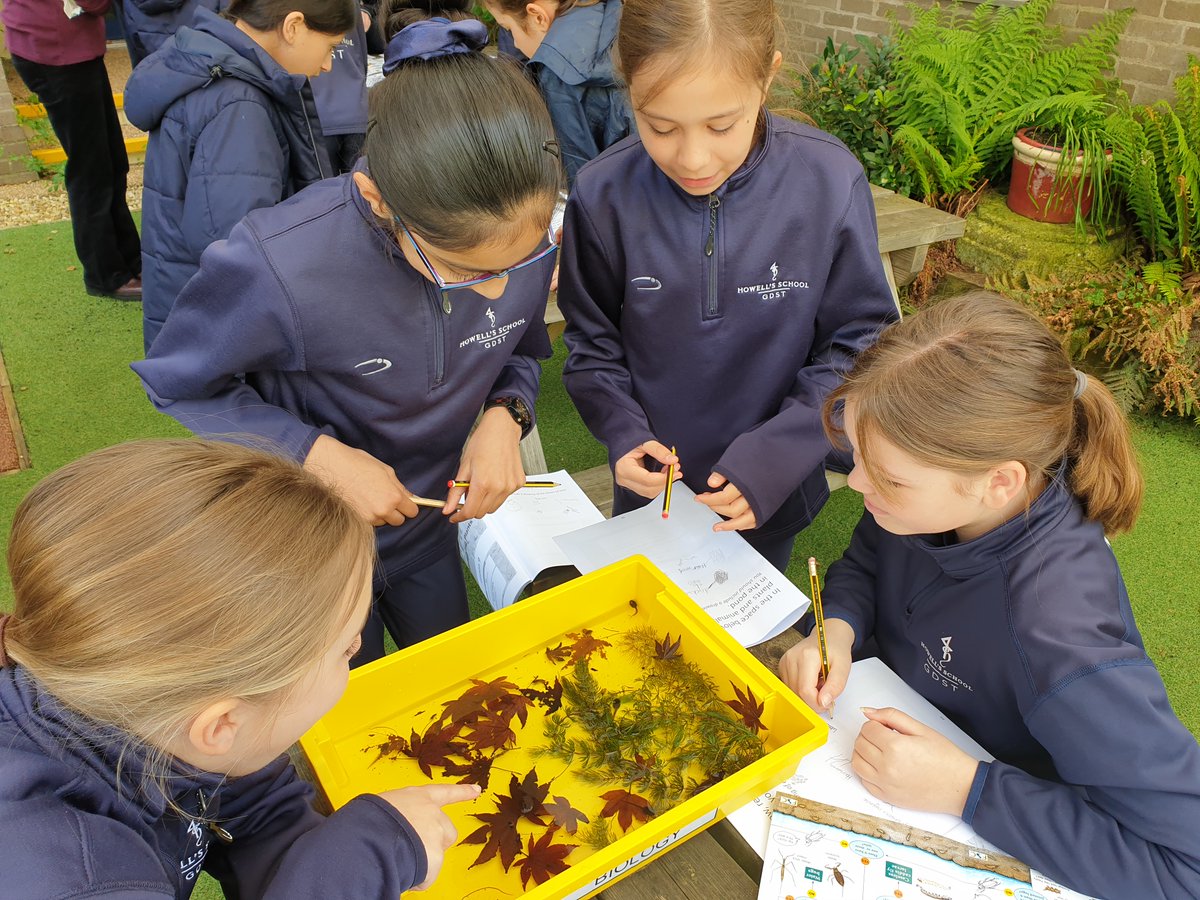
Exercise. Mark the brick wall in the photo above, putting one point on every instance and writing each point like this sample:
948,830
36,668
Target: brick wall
14,151
1151,55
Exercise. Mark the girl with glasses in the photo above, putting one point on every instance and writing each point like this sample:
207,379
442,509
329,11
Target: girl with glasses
363,324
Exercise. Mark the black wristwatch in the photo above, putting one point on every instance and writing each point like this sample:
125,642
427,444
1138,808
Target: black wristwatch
517,409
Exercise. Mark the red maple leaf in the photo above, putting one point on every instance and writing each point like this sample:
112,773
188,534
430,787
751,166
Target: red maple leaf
392,746
748,707
434,748
565,815
475,771
665,649
585,644
558,654
499,693
498,833
550,698
490,733
544,859
626,806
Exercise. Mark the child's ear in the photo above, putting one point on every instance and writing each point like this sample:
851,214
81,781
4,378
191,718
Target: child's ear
1004,483
290,27
776,64
214,731
370,191
540,15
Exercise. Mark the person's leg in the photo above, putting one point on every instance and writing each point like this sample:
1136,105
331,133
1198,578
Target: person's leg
125,233
79,104
427,602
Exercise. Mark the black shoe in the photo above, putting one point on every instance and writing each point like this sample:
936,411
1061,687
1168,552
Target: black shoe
130,290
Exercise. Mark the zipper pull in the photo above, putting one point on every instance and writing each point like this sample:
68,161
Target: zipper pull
713,202
446,307
221,834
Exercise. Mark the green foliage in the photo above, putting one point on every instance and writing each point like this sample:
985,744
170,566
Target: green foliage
851,98
1139,324
1156,164
966,83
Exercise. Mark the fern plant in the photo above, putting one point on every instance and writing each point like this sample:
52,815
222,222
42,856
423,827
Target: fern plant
967,82
1156,163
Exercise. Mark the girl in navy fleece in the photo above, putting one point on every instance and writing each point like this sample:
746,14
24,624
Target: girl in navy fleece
362,325
233,127
569,47
991,471
184,611
719,273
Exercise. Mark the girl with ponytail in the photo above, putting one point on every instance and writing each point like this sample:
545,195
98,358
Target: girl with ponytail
362,325
991,471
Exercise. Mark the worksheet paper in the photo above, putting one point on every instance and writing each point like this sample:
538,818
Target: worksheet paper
509,548
746,595
825,774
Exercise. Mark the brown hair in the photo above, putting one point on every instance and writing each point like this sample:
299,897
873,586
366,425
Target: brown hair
155,577
975,380
326,16
517,7
689,34
399,14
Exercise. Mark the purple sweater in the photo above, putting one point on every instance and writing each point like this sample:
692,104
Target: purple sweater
39,31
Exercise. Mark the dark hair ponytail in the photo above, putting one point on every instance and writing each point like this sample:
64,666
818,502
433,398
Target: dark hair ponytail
398,14
459,144
325,16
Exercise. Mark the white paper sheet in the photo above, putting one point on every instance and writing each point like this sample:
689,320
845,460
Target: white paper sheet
719,570
825,774
507,549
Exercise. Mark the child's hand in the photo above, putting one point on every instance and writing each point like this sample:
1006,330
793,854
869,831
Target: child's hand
491,461
422,807
728,502
800,667
367,484
908,764
631,473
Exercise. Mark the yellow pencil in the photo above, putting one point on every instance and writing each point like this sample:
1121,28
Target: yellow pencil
538,484
819,615
666,513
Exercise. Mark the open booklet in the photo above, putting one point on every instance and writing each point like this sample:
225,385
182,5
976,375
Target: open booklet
825,774
508,549
720,571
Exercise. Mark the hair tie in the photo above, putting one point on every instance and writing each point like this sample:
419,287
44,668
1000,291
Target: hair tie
434,38
1081,382
4,620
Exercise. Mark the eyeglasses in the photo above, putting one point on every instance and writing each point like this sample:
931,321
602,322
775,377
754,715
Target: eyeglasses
445,285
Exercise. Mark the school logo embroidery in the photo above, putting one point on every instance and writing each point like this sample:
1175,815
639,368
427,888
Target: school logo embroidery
379,364
494,336
646,283
775,289
938,669
189,866
491,316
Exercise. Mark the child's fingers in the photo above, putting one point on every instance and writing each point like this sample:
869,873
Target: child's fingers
800,670
660,452
835,683
445,794
894,719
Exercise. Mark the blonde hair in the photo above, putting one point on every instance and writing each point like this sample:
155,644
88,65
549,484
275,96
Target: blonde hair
976,380
155,577
690,34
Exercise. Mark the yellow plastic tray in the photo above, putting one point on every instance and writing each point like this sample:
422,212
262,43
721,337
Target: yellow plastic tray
402,691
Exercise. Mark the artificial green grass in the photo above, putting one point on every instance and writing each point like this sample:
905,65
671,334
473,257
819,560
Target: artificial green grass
68,358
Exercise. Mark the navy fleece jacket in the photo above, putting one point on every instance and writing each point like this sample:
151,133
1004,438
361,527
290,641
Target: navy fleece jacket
719,324
1025,638
334,332
77,824
230,131
574,70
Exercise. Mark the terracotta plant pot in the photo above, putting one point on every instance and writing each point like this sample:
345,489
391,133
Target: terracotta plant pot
1036,191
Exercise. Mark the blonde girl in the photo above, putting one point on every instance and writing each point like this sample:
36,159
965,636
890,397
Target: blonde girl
991,471
718,275
184,611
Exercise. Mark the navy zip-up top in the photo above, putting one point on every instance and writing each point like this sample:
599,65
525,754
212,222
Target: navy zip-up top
341,93
336,333
1025,638
230,131
574,70
79,822
719,324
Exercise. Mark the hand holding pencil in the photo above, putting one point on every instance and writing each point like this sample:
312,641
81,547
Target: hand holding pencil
818,667
632,472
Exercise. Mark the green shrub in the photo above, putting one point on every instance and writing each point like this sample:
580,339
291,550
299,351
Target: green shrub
966,83
850,98
1156,165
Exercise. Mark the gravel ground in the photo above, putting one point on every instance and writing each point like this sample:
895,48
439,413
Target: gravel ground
43,201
